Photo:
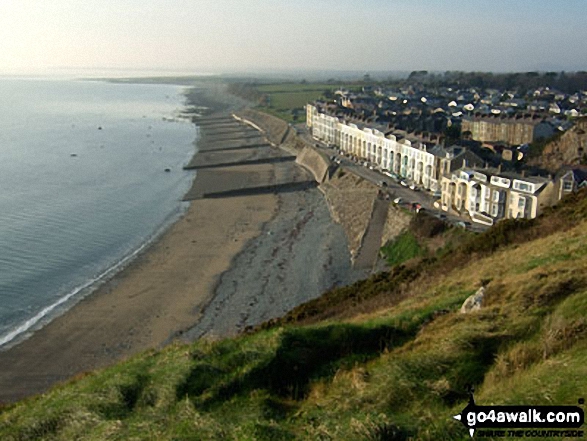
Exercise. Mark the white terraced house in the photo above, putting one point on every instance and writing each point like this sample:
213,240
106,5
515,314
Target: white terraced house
489,195
483,194
410,159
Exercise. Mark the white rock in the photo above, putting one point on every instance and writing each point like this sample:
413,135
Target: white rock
473,303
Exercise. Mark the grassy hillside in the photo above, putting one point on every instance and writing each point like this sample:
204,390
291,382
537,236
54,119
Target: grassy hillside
389,358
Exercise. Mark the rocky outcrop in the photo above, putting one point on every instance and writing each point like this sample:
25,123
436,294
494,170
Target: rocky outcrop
473,303
569,149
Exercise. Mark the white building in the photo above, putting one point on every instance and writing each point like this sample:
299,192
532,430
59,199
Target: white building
487,196
410,159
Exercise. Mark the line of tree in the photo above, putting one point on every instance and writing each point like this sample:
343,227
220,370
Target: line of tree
567,82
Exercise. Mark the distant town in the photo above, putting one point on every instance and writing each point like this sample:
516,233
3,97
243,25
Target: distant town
483,153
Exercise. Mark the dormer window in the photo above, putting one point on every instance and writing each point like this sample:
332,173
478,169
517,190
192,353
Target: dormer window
523,186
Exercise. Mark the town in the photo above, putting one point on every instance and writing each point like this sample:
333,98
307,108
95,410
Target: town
480,153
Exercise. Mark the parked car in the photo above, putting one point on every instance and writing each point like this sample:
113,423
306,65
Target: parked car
403,183
397,201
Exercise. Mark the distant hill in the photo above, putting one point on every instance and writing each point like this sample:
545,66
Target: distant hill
388,358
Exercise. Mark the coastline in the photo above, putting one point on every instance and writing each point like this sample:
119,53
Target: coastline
147,304
172,289
150,299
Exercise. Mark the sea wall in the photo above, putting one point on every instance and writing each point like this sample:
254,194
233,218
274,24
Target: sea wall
314,161
275,129
279,133
350,199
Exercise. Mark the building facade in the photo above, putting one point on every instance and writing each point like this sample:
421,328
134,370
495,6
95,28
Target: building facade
488,196
512,130
465,187
409,158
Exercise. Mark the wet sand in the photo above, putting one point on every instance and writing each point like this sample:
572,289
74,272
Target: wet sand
161,294
229,263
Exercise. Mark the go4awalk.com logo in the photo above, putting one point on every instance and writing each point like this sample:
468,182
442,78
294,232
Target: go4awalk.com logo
522,421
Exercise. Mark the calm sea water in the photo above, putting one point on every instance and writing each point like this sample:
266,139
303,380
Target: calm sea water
83,186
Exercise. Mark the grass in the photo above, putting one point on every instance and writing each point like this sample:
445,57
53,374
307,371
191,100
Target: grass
284,100
395,373
401,249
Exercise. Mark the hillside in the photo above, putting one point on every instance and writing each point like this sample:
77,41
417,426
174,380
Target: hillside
566,149
388,358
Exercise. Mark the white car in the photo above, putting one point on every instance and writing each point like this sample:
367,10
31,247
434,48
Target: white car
397,200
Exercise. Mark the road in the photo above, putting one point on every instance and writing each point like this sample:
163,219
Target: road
393,188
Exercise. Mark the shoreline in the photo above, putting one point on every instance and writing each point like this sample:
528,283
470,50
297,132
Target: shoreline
172,288
149,300
79,293
146,305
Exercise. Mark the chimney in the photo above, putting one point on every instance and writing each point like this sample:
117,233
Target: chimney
523,173
499,168
464,163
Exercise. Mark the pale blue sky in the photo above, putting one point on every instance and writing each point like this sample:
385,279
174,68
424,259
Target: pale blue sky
226,35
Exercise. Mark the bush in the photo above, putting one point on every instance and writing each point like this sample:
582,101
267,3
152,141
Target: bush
403,248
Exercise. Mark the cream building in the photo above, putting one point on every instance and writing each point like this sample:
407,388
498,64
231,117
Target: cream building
410,159
487,196
484,195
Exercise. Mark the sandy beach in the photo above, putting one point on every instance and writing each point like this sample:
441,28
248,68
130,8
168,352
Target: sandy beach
162,293
228,263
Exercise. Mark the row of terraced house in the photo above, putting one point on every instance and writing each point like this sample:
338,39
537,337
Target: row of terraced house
454,173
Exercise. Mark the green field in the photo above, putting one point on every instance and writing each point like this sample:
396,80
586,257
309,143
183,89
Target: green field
287,100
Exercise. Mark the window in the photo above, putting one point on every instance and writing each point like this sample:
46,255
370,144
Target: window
521,202
523,186
567,185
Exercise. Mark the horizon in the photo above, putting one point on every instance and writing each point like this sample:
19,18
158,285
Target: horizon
317,76
228,37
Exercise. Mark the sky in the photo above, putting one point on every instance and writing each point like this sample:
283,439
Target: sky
224,36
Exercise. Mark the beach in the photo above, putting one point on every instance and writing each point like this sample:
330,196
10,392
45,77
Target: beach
227,264
145,306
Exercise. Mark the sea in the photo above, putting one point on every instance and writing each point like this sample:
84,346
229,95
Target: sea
90,174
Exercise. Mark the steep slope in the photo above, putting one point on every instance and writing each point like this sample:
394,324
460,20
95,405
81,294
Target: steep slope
393,372
567,149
